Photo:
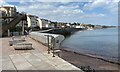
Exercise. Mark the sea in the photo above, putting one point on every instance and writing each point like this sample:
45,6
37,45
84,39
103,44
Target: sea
100,43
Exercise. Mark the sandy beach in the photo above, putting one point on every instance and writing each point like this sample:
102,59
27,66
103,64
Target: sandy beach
94,63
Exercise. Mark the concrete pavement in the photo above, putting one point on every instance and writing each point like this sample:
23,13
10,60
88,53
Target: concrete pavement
36,59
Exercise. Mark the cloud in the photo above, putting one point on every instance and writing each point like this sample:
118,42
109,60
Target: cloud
68,9
107,5
63,0
3,3
47,9
37,8
92,15
96,4
48,1
113,7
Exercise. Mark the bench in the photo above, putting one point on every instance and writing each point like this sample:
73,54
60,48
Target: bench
23,46
16,39
21,38
14,42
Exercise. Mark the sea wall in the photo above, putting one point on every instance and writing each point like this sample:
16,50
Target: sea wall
42,37
64,31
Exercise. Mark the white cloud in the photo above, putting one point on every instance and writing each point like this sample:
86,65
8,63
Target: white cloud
116,0
48,1
113,7
96,3
74,12
3,3
44,9
22,1
108,5
68,7
63,0
92,15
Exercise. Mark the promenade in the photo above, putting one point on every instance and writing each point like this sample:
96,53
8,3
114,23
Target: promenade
36,59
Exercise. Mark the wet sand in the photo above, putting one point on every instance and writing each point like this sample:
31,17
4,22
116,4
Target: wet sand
94,63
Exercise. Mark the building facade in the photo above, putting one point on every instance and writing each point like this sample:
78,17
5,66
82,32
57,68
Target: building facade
34,21
7,13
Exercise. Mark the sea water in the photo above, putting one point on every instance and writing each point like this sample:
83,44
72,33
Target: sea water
101,43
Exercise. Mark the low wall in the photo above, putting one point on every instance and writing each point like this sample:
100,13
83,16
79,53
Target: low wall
41,37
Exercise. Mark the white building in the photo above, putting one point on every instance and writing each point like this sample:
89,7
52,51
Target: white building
45,23
77,26
34,21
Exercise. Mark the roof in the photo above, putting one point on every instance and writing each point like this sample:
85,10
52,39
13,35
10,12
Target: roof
7,7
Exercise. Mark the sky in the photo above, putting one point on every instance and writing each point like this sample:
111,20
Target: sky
97,12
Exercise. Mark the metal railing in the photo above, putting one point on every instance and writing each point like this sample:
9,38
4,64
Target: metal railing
51,44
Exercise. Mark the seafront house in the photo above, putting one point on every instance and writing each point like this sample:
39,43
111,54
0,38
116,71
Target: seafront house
34,22
46,23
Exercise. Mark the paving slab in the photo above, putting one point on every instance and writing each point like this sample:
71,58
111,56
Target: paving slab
56,61
37,62
7,63
21,63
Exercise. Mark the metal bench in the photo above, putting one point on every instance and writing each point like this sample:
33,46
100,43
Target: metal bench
23,46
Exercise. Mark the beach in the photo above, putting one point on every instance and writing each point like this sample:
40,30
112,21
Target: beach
84,60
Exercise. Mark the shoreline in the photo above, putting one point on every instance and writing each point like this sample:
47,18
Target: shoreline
78,59
92,56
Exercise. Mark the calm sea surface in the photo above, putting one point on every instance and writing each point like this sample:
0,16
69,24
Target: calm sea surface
101,43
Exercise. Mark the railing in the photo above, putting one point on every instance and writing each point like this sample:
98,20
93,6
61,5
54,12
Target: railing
53,41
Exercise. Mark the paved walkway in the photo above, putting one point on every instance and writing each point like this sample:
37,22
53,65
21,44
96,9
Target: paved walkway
36,59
